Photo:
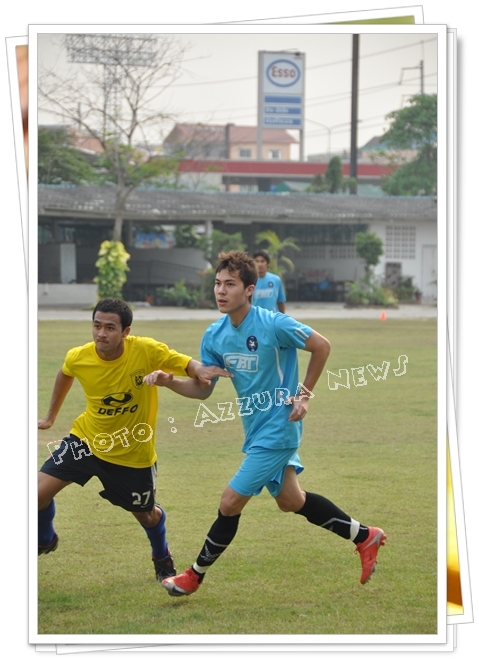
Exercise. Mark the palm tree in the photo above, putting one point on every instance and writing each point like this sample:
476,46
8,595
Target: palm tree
279,264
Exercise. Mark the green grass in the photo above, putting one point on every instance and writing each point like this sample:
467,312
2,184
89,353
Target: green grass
371,449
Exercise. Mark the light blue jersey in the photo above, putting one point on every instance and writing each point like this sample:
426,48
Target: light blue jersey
268,292
261,353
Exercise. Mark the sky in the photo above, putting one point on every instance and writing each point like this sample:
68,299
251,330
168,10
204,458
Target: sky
219,73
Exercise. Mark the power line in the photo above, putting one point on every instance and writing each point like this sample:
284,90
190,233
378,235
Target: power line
363,57
340,96
308,68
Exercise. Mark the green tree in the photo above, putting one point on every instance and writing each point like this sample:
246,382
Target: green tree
368,290
186,236
414,127
417,178
334,176
279,264
220,241
112,268
59,161
317,185
370,248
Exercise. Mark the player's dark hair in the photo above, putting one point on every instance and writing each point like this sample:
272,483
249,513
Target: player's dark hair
237,260
115,306
262,253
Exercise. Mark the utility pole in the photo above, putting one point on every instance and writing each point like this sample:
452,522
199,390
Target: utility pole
354,112
420,66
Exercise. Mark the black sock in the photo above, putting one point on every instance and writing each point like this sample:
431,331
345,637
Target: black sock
219,537
322,512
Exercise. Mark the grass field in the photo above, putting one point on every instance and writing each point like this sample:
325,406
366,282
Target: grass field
372,449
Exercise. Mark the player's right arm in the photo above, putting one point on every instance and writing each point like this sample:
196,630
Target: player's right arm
61,388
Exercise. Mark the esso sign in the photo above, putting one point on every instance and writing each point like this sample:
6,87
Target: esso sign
283,73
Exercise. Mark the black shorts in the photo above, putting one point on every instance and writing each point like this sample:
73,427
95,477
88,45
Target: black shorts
131,488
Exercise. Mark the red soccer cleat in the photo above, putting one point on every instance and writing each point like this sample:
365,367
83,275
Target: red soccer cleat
368,552
183,584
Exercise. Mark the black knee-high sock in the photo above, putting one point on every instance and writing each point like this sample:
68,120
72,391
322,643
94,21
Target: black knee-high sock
322,512
219,537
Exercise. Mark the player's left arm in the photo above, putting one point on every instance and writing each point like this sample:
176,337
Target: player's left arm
319,347
282,307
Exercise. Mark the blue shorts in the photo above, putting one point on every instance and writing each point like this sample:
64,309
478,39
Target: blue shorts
264,467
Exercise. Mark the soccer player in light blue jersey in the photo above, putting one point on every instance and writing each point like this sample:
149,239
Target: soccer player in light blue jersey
268,291
258,349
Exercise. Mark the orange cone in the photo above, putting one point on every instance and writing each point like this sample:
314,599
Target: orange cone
382,316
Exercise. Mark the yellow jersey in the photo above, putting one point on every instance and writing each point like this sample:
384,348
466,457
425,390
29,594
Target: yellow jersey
119,423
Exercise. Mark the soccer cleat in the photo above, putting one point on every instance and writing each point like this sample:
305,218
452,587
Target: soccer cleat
164,568
51,547
368,552
183,584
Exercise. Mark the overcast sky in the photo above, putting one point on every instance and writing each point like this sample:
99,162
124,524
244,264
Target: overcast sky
218,83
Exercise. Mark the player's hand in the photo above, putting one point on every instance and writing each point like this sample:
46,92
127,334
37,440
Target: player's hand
160,378
205,374
45,423
300,407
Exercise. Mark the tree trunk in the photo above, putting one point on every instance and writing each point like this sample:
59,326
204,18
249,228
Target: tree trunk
118,226
120,201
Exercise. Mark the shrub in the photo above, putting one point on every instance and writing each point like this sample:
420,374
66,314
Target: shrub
366,292
179,295
112,269
356,294
405,290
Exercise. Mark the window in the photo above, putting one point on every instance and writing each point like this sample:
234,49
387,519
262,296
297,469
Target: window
329,234
274,154
400,242
45,234
245,153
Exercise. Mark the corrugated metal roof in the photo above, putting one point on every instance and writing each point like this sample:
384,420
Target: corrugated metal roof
163,205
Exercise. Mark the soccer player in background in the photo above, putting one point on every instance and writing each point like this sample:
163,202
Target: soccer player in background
114,438
269,291
259,349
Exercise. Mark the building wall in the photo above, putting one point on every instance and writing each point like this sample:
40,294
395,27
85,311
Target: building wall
202,180
56,263
73,295
285,150
414,246
155,266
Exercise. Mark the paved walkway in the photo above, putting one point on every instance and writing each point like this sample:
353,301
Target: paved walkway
297,310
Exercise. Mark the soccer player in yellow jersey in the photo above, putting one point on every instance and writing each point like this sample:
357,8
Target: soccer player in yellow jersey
114,438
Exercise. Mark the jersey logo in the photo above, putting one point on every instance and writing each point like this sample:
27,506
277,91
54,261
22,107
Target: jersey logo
137,378
117,399
263,293
252,344
241,362
270,284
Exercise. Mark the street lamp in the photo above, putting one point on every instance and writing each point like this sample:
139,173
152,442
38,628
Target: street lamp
330,129
329,134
